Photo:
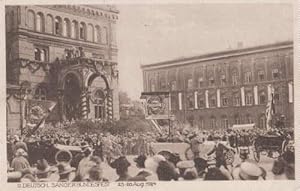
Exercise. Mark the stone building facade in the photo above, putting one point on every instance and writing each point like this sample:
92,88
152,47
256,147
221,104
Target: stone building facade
62,53
218,90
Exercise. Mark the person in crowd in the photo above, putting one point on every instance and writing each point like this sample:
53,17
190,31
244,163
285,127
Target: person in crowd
248,170
20,162
66,172
44,172
195,145
219,149
166,171
121,165
82,166
143,174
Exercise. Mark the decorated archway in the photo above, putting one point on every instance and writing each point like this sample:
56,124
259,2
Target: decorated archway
71,98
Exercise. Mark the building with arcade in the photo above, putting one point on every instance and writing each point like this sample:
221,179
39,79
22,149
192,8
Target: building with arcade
63,53
220,89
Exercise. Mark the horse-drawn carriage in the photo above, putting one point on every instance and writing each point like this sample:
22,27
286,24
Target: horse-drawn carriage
271,145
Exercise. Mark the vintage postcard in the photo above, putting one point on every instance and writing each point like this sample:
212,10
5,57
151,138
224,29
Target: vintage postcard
149,95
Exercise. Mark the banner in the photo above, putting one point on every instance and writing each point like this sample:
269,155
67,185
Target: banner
156,105
36,113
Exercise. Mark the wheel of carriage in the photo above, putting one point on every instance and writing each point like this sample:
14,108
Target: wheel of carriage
229,157
189,155
165,153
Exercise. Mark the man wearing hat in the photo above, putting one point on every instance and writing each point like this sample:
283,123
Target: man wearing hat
66,172
219,149
44,172
143,174
121,165
248,170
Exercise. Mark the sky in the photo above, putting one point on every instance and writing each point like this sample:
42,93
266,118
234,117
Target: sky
152,33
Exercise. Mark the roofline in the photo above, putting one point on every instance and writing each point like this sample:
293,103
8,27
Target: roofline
219,55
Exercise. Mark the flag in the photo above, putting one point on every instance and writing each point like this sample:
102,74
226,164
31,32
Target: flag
270,109
37,113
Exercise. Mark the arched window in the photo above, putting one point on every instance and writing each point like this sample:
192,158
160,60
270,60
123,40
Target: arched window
249,98
201,122
190,83
100,104
200,82
40,93
97,34
237,119
82,30
49,24
235,78
37,54
43,55
261,75
74,29
90,33
58,26
213,122
225,123
31,20
40,22
262,98
173,85
249,119
223,80
104,35
248,77
262,122
66,28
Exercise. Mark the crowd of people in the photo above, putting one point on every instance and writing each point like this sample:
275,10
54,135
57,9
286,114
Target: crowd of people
31,158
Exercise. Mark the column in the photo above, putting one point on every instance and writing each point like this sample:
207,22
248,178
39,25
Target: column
169,101
243,96
218,98
109,106
206,99
255,90
83,104
291,92
196,99
180,100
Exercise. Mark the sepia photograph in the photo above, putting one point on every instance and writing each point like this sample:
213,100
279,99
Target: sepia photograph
149,92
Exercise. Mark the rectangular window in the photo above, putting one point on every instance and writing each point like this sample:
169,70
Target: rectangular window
190,84
236,101
248,77
261,75
201,103
190,101
249,99
223,80
211,82
213,102
200,83
234,79
225,101
275,74
99,112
